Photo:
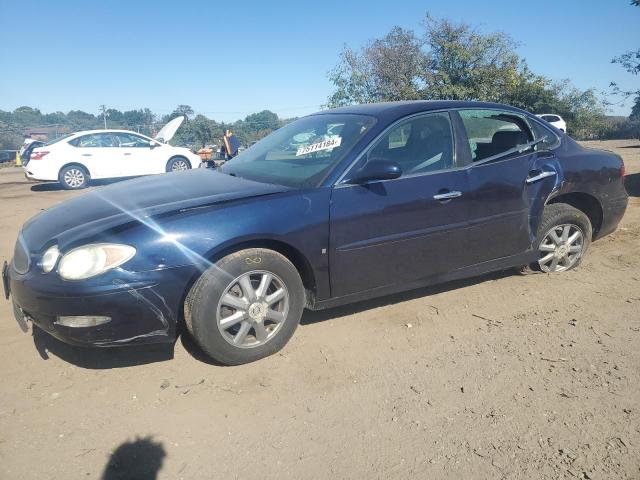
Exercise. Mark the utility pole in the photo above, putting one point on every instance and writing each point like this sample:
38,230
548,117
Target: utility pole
103,109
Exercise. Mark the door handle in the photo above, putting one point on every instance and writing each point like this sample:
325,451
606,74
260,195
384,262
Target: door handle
539,176
127,153
447,195
86,154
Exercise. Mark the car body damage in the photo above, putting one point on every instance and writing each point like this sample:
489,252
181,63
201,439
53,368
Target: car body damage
472,203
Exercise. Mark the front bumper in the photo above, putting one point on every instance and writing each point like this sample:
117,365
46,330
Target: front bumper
143,307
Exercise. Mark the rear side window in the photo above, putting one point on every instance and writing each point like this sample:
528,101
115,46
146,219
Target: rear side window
95,140
492,132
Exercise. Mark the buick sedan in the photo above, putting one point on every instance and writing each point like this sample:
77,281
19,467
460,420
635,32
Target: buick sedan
336,207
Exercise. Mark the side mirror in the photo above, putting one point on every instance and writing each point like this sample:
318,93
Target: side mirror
376,169
153,145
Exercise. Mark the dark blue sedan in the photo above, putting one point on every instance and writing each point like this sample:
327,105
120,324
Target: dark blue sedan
336,207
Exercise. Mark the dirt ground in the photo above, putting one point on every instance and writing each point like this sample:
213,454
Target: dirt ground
500,376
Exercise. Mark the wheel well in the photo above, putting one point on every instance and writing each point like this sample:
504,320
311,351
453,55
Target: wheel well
74,164
292,254
587,204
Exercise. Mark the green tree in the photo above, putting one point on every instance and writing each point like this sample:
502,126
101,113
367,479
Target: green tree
454,61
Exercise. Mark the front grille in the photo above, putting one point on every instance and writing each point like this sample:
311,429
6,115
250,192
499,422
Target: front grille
21,260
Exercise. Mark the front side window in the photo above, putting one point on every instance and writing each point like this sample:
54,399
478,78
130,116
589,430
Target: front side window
493,132
302,153
418,145
128,140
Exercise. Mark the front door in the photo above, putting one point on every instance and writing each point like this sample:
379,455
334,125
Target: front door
135,156
402,230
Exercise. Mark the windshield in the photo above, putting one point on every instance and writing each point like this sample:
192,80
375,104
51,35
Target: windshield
301,153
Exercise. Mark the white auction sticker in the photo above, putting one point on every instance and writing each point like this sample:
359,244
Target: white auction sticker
316,147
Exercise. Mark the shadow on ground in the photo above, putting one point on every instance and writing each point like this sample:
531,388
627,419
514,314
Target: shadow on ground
100,358
140,459
632,184
310,317
128,356
55,186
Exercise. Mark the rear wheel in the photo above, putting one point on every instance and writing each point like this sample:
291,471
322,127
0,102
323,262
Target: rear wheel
73,177
564,235
246,306
178,164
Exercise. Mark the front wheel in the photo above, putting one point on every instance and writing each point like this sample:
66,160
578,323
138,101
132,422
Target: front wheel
73,177
178,164
246,306
564,235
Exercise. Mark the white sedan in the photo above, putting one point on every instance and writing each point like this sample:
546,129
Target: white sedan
555,120
76,159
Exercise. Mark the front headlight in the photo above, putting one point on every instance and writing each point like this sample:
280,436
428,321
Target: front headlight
91,260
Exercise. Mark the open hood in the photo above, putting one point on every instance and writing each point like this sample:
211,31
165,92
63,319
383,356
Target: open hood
167,132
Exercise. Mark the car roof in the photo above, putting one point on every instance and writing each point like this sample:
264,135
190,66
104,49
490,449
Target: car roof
400,109
108,130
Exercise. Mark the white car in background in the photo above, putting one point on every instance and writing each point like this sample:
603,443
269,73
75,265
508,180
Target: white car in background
78,158
555,120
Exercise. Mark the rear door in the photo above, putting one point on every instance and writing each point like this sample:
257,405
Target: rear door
402,230
508,187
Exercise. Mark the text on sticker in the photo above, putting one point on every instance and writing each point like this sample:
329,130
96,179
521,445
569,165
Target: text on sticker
316,147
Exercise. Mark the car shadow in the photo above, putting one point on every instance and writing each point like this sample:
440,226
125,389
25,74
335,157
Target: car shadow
100,358
632,184
631,146
129,356
55,186
310,317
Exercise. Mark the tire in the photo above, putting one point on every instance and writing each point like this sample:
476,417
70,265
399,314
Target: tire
565,221
256,325
74,177
177,164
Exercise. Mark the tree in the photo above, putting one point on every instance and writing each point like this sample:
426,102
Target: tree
635,110
185,110
452,61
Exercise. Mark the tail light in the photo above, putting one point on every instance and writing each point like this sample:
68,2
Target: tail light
622,171
35,155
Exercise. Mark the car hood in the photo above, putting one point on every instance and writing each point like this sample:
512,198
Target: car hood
135,201
167,132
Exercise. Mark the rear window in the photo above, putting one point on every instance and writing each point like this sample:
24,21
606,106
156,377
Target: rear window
59,139
550,118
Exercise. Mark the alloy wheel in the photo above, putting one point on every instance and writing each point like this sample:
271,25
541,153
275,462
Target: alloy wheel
252,309
561,248
74,177
179,165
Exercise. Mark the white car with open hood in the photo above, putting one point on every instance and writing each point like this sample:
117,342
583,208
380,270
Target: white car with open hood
78,158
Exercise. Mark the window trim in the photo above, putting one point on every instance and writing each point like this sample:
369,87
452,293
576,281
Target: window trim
338,183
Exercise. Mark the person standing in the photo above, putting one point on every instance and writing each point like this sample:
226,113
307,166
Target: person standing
230,145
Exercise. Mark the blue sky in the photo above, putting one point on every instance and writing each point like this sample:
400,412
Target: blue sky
228,59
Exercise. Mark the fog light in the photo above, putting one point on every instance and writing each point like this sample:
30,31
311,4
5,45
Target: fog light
82,321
